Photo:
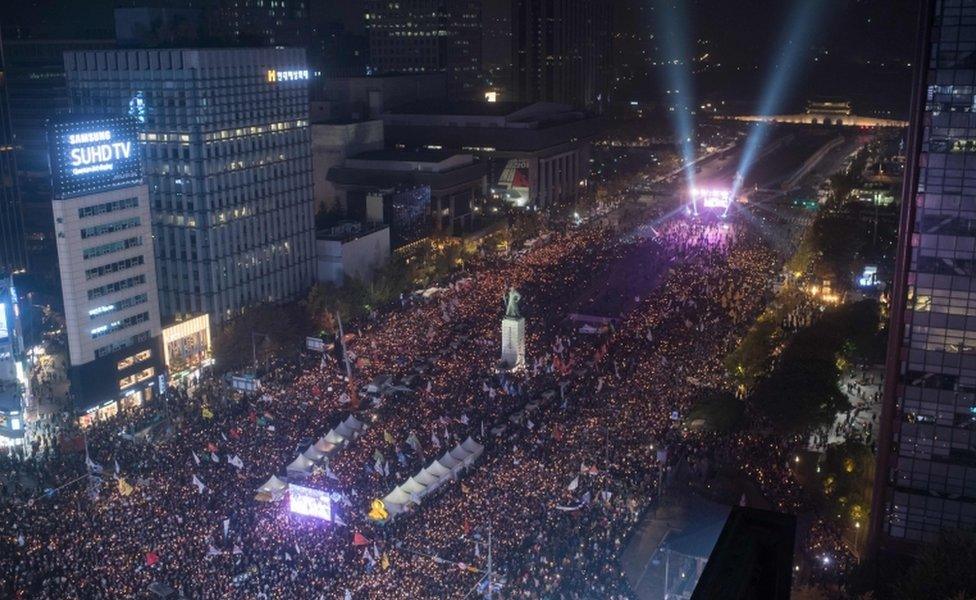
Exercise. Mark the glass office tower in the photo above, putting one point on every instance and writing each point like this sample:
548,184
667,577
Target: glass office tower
227,156
926,477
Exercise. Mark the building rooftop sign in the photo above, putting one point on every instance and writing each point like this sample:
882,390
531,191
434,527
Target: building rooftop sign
93,155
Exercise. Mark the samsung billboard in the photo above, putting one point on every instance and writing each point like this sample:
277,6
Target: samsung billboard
93,155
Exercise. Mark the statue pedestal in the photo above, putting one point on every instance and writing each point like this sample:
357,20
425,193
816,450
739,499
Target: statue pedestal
513,343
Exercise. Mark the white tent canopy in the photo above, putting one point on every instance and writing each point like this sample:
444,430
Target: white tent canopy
433,476
313,454
300,465
439,469
325,446
273,486
473,447
428,479
412,486
353,423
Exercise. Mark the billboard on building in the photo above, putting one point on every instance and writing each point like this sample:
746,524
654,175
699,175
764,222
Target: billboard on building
92,155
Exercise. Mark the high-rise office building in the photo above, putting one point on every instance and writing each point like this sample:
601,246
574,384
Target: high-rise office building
421,36
12,251
926,476
561,51
261,22
106,262
227,156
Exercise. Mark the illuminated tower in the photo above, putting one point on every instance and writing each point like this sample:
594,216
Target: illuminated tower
926,476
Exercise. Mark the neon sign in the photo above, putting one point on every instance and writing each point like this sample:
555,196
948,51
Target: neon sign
274,75
94,155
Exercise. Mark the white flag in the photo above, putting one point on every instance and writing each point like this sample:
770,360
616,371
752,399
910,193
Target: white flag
196,458
223,436
226,527
93,466
339,521
573,484
116,467
236,461
212,550
199,484
214,457
347,595
330,474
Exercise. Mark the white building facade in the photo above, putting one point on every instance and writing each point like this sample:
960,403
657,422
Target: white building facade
106,260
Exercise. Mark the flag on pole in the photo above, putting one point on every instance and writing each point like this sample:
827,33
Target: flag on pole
196,458
388,438
214,457
199,484
124,487
151,558
116,467
359,539
236,461
385,562
573,484
330,474
226,526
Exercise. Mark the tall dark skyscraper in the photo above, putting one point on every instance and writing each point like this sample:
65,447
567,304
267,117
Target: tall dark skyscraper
561,50
12,254
926,476
261,22
421,36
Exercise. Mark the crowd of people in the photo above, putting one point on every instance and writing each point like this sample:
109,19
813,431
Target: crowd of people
576,444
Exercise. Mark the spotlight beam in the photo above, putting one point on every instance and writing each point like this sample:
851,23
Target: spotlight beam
800,28
673,31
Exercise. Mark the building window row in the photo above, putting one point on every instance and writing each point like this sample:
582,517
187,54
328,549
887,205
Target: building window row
115,267
116,346
112,227
110,328
107,207
112,247
116,286
107,309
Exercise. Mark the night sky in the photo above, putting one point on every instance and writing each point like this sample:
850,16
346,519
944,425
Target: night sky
863,47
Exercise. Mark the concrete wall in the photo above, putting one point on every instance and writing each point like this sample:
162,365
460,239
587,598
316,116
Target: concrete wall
355,258
331,144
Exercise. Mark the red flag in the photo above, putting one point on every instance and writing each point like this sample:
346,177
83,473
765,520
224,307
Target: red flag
467,528
151,558
359,539
212,447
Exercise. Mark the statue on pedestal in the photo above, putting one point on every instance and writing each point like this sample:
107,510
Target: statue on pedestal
511,304
513,333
